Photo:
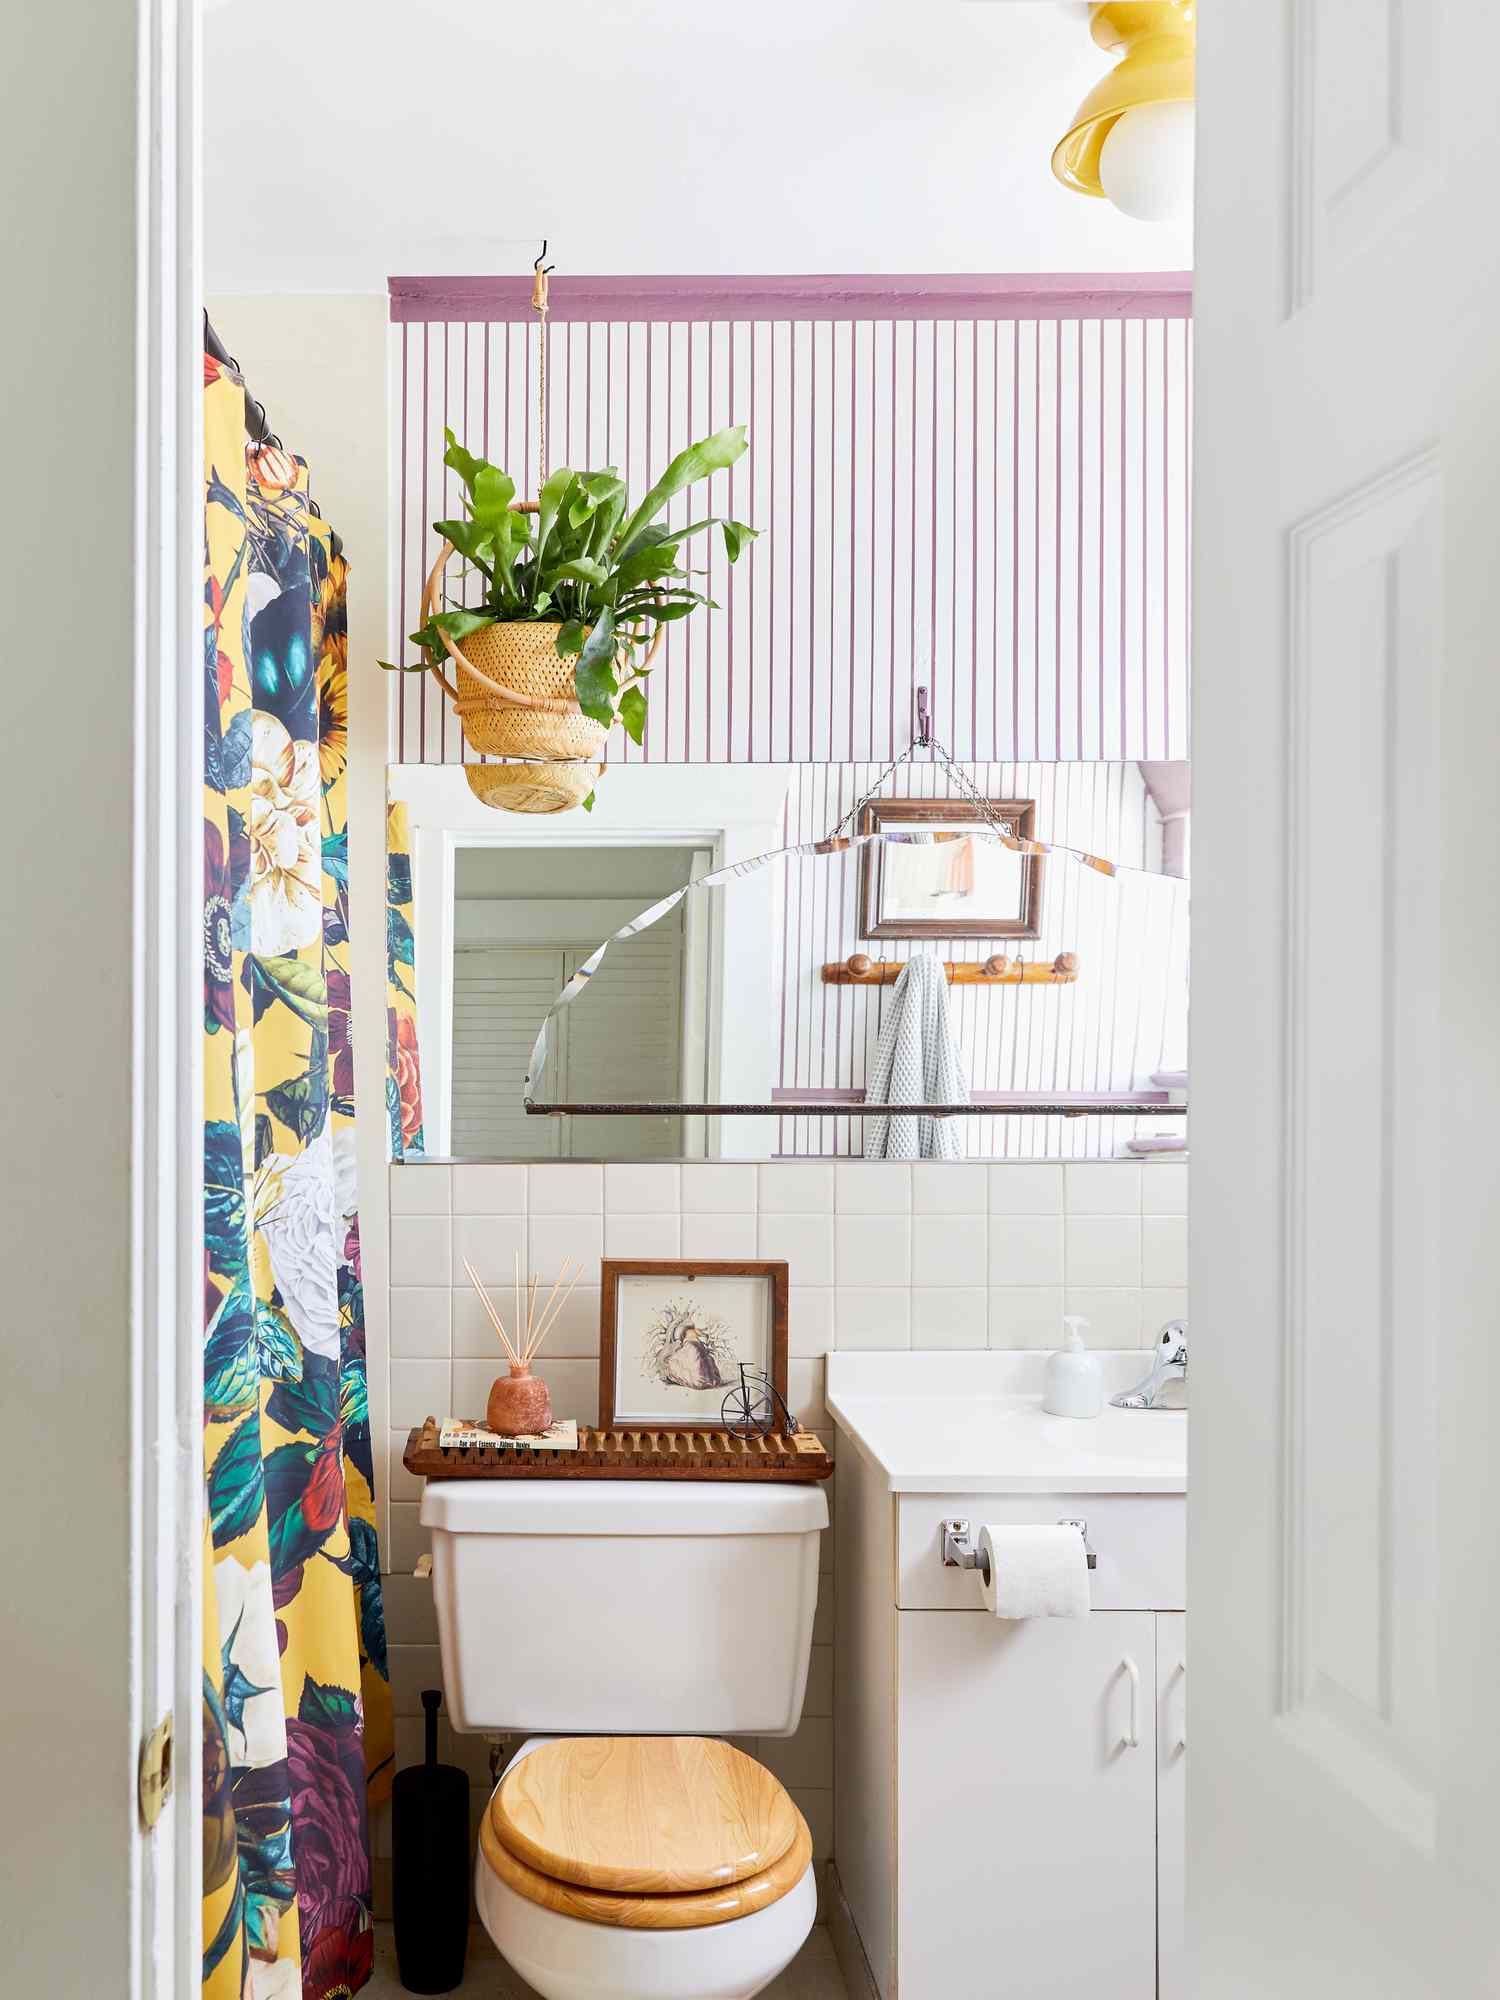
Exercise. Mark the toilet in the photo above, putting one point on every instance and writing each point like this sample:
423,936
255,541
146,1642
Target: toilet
622,1627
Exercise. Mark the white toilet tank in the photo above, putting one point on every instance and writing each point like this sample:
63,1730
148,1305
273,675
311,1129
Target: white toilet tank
624,1607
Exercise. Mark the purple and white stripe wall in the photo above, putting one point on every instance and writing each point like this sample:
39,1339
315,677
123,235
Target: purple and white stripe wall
976,484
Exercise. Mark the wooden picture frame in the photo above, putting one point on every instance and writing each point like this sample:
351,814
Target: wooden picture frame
667,1295
894,815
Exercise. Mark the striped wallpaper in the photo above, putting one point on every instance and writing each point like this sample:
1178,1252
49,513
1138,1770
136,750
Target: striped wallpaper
980,485
1124,1018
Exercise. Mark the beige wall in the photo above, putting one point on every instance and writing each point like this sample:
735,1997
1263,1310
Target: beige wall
318,363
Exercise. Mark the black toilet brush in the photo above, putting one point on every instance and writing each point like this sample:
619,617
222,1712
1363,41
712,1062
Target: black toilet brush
430,1867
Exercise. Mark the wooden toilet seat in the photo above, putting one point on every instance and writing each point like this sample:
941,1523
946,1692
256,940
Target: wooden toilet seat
645,1832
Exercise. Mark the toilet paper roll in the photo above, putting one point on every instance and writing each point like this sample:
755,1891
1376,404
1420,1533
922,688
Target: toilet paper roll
1039,1572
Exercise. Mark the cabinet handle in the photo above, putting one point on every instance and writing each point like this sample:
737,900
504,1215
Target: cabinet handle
1179,1672
1133,1738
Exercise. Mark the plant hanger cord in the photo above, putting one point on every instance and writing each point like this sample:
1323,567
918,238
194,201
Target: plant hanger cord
539,307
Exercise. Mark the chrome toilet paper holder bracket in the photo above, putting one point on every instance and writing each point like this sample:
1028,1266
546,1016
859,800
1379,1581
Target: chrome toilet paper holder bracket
961,1551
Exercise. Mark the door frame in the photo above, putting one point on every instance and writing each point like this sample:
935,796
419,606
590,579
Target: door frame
735,811
167,1229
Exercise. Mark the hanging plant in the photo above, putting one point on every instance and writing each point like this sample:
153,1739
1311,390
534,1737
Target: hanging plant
603,576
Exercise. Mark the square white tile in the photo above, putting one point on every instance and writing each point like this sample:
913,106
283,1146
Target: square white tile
400,1484
1026,1316
1026,1249
872,1187
805,1242
872,1250
491,1243
872,1316
1113,1315
804,1394
489,1190
420,1323
1164,1187
412,1669
408,1538
948,1187
713,1235
1164,1250
639,1187
555,1240
1021,1187
419,1389
805,1758
797,1187
419,1190
1103,1250
809,1320
1102,1187
654,1235
421,1248
949,1316
564,1187
718,1189
573,1332
410,1617
949,1250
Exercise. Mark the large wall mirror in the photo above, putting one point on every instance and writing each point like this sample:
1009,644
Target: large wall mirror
766,984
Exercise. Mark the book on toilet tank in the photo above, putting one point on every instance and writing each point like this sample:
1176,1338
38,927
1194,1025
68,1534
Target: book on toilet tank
562,1436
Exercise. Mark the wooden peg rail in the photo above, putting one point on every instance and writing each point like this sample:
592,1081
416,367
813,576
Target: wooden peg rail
858,970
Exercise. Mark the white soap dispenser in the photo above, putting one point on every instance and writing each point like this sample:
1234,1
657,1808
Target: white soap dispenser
1074,1386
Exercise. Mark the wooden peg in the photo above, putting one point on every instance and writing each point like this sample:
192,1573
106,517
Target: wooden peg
1065,965
996,965
859,964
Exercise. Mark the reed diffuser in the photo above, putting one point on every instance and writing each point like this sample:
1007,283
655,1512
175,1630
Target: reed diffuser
519,1404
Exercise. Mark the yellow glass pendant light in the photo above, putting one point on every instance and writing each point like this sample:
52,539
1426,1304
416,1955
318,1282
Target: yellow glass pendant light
1131,140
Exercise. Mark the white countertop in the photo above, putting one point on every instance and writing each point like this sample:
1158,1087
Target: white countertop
974,1423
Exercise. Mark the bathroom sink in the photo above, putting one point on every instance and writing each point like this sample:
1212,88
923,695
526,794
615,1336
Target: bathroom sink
974,1423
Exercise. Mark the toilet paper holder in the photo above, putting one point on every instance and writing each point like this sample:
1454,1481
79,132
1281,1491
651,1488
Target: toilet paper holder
961,1551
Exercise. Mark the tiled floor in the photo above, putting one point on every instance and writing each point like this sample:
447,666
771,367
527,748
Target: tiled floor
813,1974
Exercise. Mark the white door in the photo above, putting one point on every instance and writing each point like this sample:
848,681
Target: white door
1346,1025
1026,1794
1171,1804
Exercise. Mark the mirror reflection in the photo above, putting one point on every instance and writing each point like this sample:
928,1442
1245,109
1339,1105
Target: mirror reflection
766,1007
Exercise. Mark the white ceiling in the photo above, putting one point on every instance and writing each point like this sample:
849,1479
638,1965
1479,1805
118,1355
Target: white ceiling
347,140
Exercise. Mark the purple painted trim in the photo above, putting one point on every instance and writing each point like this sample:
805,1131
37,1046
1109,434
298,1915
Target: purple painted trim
963,296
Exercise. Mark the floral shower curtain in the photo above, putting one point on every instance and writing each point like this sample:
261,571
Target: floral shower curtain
297,1715
403,1076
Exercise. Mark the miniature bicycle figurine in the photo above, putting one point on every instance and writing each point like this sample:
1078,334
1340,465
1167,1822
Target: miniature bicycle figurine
751,1410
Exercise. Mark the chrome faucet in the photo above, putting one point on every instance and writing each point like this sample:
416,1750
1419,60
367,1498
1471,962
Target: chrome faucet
1168,1365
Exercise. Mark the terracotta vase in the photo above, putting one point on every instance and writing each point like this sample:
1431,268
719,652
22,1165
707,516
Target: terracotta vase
519,1404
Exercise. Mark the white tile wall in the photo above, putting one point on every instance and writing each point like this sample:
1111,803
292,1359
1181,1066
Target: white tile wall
881,1254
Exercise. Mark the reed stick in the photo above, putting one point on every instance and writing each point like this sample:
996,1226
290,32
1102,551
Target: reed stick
548,1319
495,1320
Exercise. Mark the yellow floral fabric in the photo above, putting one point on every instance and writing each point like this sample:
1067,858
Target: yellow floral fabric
297,1725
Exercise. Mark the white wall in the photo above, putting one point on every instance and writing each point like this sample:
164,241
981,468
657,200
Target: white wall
318,363
68,549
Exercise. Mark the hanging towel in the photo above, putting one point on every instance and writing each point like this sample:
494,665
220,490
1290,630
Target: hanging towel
916,1063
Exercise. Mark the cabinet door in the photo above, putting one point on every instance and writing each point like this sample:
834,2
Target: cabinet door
1171,1801
1026,1807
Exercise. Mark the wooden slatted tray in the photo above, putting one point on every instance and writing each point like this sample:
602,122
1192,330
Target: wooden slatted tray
624,1454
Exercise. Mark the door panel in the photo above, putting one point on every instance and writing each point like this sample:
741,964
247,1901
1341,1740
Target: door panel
1026,1860
1171,1804
1346,1065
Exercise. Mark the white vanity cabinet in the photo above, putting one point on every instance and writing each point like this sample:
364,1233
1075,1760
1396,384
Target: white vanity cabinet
1009,1795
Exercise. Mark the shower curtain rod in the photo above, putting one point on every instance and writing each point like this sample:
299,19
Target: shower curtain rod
257,423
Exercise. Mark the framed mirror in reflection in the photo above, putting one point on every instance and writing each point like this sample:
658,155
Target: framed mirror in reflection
726,982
